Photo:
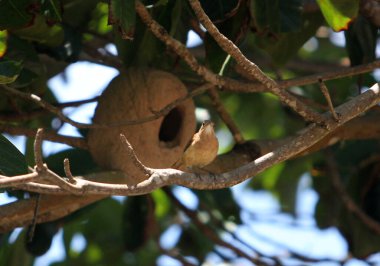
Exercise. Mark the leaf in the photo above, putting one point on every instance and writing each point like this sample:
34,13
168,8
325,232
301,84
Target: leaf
138,221
219,10
16,13
42,33
12,161
234,28
122,14
339,13
52,10
221,203
42,238
361,38
277,16
14,254
283,46
81,162
3,42
9,71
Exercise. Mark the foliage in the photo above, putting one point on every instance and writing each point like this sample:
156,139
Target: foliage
40,38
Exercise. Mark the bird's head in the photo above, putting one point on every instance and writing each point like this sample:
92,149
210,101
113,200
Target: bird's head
207,127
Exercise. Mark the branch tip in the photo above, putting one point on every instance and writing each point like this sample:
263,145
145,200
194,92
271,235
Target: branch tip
131,153
66,167
38,150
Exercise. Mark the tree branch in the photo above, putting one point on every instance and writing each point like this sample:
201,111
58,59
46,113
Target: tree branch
100,185
252,69
225,116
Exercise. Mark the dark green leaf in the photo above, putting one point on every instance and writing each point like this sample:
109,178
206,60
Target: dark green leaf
52,10
234,28
14,254
25,78
42,33
339,13
138,221
81,162
283,46
42,238
16,13
219,10
193,243
361,39
278,15
9,71
221,203
12,161
122,14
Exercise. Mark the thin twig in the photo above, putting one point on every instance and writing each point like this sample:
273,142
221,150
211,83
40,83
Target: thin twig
327,96
187,56
6,181
57,111
225,116
66,167
48,135
294,146
35,215
174,253
38,151
25,116
208,232
251,68
164,177
132,155
347,201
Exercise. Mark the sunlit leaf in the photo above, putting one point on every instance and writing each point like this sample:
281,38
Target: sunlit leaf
339,13
3,42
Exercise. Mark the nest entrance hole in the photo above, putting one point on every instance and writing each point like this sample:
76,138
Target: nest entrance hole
171,127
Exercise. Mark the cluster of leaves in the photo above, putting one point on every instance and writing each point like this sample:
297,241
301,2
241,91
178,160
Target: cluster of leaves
40,38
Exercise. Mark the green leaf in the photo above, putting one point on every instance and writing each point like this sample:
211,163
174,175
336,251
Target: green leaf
284,46
219,10
277,15
221,203
42,33
138,221
81,162
361,38
9,71
12,161
122,14
15,13
3,42
339,13
234,28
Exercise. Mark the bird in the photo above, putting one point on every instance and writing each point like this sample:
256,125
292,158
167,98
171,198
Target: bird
202,149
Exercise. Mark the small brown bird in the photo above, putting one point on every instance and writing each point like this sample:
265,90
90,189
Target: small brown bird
202,150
